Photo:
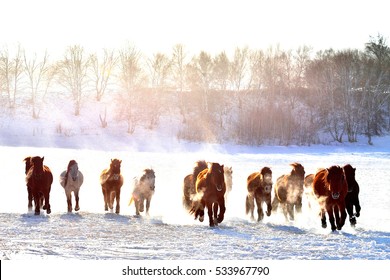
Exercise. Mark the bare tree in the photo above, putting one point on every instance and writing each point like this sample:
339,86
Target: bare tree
11,69
179,66
132,79
238,67
221,71
40,75
102,69
73,74
159,69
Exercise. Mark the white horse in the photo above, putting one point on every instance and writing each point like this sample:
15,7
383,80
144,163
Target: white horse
143,190
228,174
71,180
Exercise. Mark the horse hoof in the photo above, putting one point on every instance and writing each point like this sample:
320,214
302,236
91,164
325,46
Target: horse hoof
357,214
48,211
44,207
201,218
324,225
77,209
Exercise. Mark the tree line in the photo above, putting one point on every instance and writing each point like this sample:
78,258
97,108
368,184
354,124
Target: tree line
251,97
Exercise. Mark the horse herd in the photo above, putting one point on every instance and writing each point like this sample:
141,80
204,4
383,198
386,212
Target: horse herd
334,189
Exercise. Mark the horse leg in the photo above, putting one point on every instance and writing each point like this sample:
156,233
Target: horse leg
215,213
69,200
37,199
285,210
76,197
30,198
329,210
118,200
323,218
357,206
210,213
290,210
336,211
349,207
47,203
343,215
275,204
250,205
147,205
260,213
141,203
222,210
105,196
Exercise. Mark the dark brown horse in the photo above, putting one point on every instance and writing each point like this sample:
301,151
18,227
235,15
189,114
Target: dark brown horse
352,197
289,190
210,192
112,181
259,186
189,190
39,179
330,188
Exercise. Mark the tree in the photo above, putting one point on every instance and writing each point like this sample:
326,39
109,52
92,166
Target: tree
159,69
221,71
238,67
102,70
11,70
73,74
178,66
40,75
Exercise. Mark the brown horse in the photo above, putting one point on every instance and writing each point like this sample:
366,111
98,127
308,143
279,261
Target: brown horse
352,197
143,191
259,185
189,190
330,188
288,191
39,179
30,197
210,192
112,181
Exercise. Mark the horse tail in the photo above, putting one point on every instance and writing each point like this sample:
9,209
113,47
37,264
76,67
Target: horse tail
247,205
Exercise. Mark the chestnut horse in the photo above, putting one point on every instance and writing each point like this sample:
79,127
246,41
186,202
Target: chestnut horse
71,180
143,190
210,192
259,186
112,181
330,188
189,190
39,179
289,190
30,197
352,197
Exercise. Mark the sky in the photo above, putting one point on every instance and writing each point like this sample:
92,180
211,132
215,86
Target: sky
209,25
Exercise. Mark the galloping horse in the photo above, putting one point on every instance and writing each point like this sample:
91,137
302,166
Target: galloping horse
29,164
189,190
112,181
71,180
39,179
228,175
210,188
288,191
352,197
143,190
259,186
330,188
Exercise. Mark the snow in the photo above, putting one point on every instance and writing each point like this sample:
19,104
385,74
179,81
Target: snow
170,233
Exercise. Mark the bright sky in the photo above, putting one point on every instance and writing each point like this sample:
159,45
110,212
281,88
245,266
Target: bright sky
209,25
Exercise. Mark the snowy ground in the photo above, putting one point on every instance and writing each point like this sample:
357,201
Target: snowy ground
169,232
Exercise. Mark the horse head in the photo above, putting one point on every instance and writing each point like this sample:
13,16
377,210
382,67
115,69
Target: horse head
37,163
150,177
349,172
266,179
115,168
216,174
73,169
335,180
298,172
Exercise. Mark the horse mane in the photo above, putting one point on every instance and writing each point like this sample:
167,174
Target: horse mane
265,170
200,165
29,164
297,170
147,172
70,164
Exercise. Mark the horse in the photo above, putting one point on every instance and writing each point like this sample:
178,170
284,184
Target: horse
189,190
259,186
210,192
288,191
352,197
330,188
71,180
30,197
228,176
308,188
39,179
111,181
143,190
